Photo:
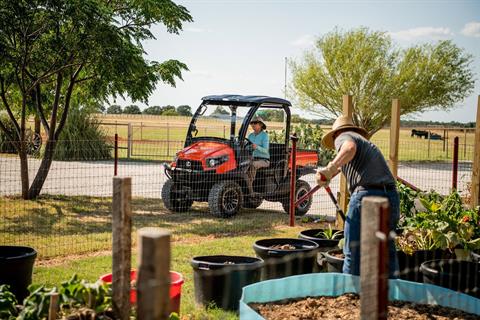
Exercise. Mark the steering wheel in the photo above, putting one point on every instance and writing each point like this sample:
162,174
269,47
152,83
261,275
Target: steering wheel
247,142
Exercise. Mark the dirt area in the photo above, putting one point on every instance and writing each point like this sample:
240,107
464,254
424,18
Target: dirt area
347,307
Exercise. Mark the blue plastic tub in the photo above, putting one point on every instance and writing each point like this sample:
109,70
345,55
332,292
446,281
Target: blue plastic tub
335,284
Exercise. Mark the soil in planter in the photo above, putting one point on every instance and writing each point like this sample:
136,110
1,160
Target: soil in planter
282,247
347,307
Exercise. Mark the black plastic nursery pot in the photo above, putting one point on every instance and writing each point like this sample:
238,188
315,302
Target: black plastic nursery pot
280,262
323,244
458,275
220,279
16,266
334,263
409,265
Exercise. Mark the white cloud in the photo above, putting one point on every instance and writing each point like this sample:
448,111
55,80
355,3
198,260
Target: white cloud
472,29
422,32
307,40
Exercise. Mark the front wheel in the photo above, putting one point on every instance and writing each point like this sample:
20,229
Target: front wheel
302,188
225,199
175,198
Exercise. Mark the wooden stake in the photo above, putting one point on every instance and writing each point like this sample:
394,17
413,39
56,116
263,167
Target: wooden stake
153,284
374,258
475,192
53,307
394,136
122,246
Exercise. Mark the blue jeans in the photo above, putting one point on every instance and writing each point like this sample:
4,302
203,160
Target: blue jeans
351,249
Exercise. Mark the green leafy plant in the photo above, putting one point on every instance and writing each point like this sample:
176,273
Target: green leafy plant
82,139
442,222
8,311
330,234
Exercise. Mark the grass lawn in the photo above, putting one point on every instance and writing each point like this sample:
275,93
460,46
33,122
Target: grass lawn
73,235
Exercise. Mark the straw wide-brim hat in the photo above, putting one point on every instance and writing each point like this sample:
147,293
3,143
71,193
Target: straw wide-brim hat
259,120
341,123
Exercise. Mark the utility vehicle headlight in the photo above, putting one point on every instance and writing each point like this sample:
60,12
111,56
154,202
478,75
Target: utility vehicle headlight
213,162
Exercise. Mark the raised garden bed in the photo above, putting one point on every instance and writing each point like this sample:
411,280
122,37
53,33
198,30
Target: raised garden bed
335,285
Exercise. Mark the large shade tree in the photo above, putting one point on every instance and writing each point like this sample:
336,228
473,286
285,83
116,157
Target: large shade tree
367,65
53,50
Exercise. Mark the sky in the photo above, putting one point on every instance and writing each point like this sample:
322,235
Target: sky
239,47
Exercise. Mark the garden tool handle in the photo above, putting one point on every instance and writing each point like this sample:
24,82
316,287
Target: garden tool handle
335,202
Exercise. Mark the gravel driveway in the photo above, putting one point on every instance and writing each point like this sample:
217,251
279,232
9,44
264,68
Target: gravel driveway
95,179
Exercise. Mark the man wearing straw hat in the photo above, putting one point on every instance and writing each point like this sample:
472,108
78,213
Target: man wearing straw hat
261,153
367,174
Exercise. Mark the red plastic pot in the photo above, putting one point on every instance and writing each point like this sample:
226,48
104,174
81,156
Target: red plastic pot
176,281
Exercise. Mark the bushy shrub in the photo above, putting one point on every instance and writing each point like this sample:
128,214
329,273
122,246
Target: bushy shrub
82,139
310,137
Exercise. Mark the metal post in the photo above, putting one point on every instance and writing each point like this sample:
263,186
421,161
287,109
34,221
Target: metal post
447,143
455,164
465,144
115,156
293,178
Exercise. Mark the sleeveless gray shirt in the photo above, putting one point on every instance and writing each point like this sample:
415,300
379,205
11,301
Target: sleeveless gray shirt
368,168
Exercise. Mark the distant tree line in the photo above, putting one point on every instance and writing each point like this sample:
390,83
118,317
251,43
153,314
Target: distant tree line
183,110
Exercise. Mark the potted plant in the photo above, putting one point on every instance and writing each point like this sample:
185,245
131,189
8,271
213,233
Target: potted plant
434,227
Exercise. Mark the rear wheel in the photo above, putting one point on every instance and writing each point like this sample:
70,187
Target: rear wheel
302,188
225,199
174,198
252,202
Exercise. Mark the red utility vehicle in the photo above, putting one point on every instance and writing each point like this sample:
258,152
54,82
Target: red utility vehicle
213,164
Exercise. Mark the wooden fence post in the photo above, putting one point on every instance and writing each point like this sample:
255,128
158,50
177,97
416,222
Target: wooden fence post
129,140
53,307
475,192
122,246
153,284
347,111
374,258
394,136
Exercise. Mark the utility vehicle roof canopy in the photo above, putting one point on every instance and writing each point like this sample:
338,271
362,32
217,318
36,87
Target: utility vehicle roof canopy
239,99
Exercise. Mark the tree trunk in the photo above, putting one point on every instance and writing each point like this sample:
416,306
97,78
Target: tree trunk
42,172
37,124
22,153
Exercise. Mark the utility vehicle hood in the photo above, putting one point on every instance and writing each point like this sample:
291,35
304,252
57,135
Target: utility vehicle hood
205,149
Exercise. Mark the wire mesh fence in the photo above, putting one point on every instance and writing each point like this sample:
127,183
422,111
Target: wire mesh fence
72,216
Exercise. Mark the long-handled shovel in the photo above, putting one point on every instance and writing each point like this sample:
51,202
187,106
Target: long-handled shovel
330,194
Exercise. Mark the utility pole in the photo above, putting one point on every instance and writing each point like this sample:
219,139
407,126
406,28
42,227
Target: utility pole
285,82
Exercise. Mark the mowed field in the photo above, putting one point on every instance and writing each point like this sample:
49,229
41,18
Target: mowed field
161,137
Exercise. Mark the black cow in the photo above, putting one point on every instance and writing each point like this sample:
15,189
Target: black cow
419,133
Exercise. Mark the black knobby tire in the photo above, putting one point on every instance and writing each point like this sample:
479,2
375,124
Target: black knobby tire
252,202
173,199
225,199
302,187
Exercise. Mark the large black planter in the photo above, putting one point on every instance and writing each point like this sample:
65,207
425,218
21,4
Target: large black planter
409,265
334,263
281,263
16,266
458,275
220,279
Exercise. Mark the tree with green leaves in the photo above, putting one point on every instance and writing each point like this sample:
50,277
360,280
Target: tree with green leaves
114,109
184,110
153,110
367,65
132,109
54,51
